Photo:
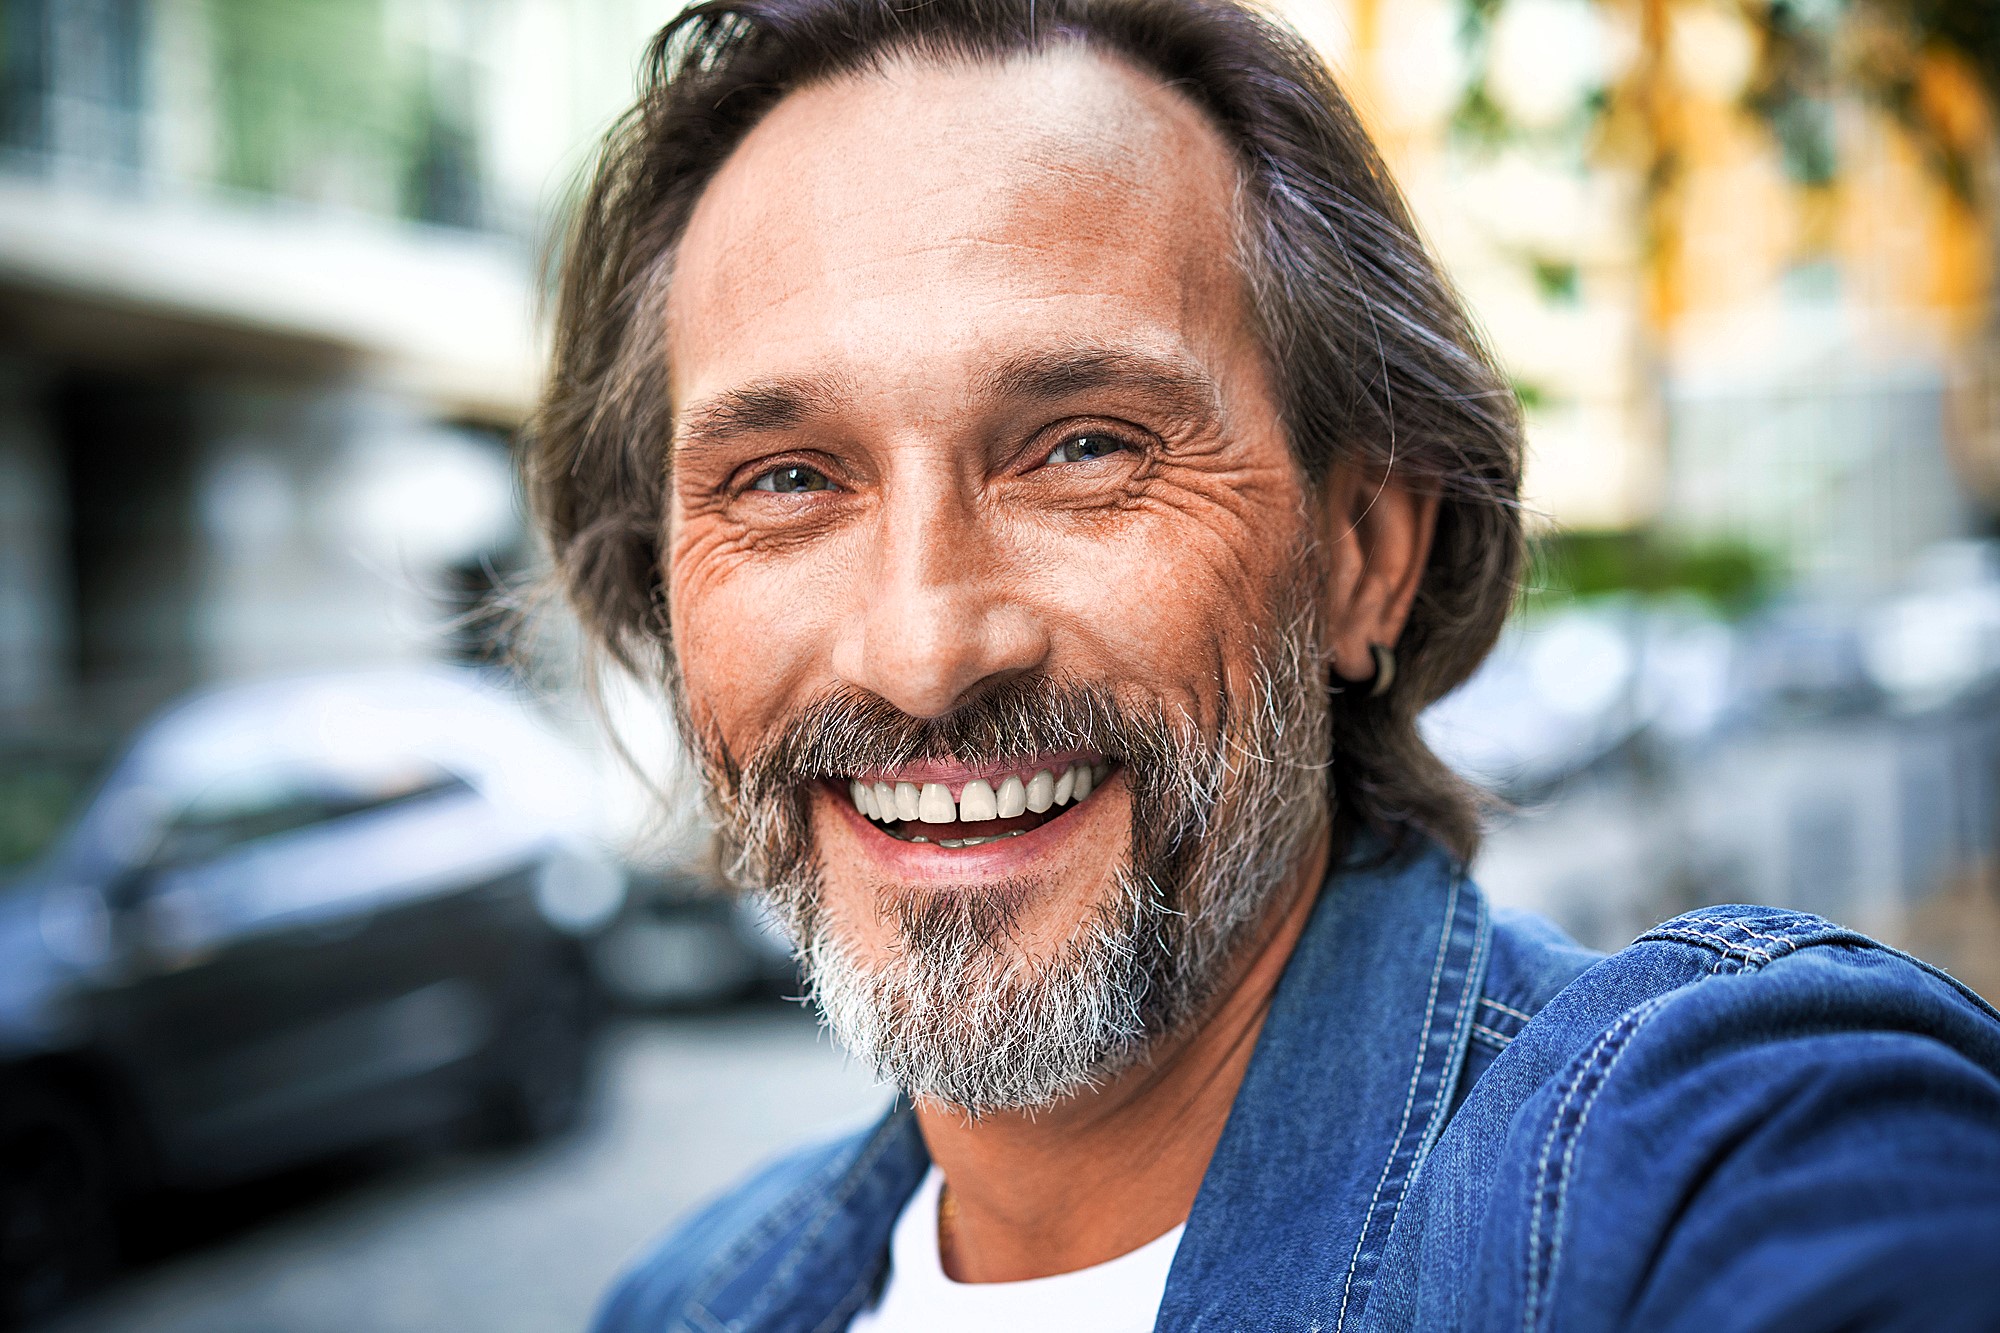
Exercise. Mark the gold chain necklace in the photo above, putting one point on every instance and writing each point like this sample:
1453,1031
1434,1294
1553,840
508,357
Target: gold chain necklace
947,1224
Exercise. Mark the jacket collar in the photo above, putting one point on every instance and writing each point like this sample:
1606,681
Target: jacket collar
1351,1083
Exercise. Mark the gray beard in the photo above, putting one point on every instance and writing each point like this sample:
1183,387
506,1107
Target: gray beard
957,1010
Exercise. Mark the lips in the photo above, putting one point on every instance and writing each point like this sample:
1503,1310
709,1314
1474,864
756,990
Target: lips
973,808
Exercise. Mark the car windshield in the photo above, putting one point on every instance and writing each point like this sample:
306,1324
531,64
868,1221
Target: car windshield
44,781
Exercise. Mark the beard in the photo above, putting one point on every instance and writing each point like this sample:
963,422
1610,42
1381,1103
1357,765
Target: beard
958,1010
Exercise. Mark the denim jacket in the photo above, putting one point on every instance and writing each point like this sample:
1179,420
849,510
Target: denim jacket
1457,1119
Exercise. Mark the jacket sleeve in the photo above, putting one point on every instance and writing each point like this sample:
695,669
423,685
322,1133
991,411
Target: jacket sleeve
1813,1147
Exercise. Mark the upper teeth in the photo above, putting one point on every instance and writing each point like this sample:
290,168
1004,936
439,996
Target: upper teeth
979,799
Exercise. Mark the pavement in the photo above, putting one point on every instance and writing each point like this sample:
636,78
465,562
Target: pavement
494,1243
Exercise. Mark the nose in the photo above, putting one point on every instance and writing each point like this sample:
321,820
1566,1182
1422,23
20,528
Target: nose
936,615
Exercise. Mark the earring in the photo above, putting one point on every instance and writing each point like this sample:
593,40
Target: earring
1385,668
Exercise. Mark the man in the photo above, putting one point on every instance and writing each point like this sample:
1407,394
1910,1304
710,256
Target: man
1030,444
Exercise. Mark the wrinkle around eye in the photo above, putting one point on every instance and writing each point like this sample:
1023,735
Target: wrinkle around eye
734,521
713,549
1203,496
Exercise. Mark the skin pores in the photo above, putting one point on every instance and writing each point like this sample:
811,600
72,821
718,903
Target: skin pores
966,390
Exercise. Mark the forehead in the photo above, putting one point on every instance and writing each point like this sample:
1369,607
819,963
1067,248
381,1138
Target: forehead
927,215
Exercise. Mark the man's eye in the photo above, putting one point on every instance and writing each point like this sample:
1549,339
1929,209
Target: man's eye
1084,448
791,481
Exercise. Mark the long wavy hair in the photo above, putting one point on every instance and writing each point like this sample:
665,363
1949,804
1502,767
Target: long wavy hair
1376,360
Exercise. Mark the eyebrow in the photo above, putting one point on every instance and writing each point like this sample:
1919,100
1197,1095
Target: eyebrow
1177,383
763,406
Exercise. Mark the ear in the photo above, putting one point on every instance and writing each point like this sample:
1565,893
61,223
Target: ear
1375,532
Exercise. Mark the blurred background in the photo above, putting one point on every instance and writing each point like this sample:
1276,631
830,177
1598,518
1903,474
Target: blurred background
350,971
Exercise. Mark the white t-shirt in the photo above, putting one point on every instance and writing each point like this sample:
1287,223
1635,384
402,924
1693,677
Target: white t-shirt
1121,1296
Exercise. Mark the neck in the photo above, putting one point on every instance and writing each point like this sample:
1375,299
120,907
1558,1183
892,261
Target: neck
1030,1194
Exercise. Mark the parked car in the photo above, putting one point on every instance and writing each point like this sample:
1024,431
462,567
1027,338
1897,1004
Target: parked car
294,918
683,942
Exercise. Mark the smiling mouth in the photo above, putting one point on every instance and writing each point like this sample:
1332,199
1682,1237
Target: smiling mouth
978,810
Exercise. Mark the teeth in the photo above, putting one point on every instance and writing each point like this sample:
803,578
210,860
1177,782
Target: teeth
1012,800
936,806
976,802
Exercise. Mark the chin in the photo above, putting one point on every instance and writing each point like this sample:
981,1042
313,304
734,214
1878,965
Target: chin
1008,972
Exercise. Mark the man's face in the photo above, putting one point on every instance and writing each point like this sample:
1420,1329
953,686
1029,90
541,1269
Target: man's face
984,536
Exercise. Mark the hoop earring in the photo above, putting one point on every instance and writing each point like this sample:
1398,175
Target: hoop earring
1385,668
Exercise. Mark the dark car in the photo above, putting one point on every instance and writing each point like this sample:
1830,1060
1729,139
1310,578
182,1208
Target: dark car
684,942
294,918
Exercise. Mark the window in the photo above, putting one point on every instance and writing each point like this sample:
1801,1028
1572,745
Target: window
264,803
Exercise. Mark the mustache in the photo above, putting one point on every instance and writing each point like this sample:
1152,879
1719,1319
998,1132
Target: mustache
1174,769
849,730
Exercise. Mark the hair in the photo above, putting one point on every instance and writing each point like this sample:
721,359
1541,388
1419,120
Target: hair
1376,361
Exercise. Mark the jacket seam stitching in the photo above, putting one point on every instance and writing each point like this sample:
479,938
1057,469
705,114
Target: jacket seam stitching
1749,953
1467,1010
1498,1021
1506,1009
1531,1297
1409,1096
1735,924
1785,943
1827,934
1614,1042
1565,1173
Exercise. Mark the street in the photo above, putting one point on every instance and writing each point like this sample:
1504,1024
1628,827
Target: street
491,1243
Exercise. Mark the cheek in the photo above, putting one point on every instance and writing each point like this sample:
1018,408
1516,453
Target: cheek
1146,608
1174,593
747,628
